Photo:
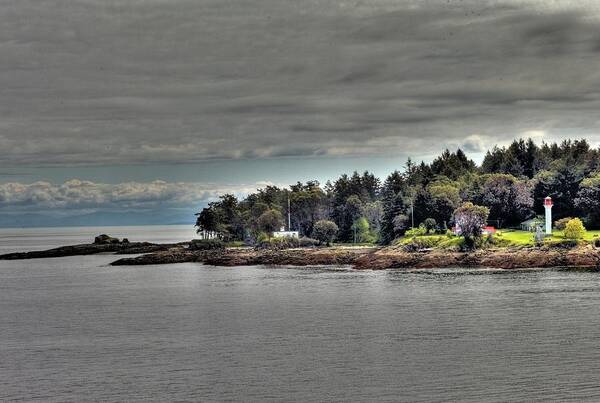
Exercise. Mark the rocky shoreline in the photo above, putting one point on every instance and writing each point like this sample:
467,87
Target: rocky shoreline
249,256
92,249
378,258
361,258
501,258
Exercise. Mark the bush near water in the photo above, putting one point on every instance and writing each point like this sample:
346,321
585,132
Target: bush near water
206,244
574,229
286,243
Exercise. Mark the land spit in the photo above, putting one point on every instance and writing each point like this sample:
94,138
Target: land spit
92,249
378,258
250,256
372,258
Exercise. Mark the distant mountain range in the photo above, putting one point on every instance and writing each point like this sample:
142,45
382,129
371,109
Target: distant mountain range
162,217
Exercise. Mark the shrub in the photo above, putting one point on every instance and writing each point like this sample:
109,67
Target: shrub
497,240
430,224
421,242
269,243
286,243
574,229
270,221
206,244
306,242
561,243
452,243
562,223
419,231
432,241
261,237
325,231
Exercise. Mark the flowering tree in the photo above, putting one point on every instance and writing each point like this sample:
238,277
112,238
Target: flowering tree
471,218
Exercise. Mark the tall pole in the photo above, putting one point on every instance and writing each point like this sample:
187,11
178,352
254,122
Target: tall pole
289,215
412,212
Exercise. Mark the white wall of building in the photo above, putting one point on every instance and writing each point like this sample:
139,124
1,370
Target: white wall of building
286,234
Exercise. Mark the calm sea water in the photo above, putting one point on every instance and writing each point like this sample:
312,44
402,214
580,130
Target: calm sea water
76,329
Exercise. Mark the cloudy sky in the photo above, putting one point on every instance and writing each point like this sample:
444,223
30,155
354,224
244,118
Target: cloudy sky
163,104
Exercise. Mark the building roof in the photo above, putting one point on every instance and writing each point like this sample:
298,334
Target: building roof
532,221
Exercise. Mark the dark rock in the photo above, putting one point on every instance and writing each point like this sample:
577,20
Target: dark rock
91,249
501,258
250,256
105,239
360,258
206,244
176,254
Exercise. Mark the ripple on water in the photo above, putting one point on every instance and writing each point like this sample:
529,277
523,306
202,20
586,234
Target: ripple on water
75,329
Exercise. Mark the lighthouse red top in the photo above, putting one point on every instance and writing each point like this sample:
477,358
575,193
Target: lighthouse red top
548,201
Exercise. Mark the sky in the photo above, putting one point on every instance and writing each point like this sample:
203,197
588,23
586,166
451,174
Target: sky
159,106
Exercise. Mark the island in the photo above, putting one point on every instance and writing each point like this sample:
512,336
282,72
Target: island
419,252
525,206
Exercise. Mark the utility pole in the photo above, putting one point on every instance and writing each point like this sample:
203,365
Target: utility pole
412,212
289,214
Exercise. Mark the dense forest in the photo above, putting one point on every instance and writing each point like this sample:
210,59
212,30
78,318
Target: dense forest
511,182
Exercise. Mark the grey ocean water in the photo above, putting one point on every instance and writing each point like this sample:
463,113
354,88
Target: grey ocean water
76,329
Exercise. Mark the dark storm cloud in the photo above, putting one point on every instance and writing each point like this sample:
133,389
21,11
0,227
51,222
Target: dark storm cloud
104,81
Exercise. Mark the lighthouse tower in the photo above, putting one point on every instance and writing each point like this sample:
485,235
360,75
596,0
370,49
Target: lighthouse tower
548,207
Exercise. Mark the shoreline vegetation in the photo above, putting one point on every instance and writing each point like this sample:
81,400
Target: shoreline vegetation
554,253
508,190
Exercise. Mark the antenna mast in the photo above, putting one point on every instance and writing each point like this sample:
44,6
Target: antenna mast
289,215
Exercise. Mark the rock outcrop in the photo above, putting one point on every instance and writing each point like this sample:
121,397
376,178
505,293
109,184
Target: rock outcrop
379,258
91,249
501,258
104,239
371,258
249,256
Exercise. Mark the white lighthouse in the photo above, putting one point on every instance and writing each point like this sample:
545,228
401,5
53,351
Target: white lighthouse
548,207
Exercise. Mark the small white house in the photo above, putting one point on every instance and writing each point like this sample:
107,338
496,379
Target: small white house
282,233
532,224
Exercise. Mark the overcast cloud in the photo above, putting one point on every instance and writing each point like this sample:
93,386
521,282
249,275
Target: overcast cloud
76,194
161,82
101,81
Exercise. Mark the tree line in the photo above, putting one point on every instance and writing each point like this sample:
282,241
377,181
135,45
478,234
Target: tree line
511,182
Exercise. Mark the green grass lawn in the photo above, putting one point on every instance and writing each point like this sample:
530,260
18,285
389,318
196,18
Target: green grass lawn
516,236
519,237
504,238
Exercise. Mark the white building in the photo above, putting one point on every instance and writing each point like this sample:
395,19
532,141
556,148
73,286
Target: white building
282,233
532,224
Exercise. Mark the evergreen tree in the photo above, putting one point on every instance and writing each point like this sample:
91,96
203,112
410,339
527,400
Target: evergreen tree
393,193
